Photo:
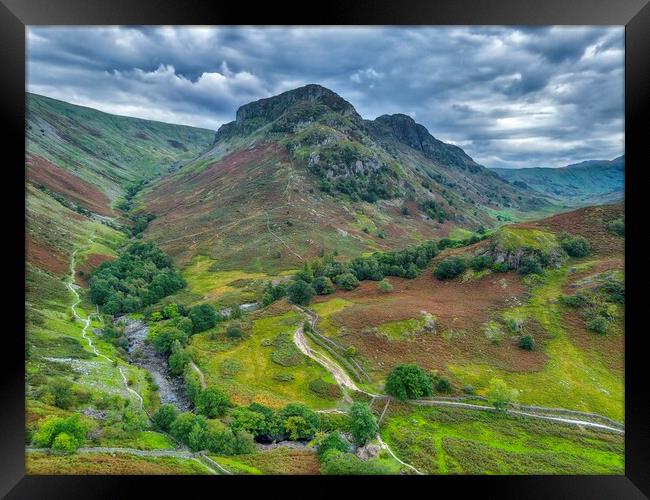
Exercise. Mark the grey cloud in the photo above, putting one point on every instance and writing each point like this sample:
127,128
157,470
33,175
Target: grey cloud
510,96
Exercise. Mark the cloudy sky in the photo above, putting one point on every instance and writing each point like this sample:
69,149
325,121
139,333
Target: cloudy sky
511,97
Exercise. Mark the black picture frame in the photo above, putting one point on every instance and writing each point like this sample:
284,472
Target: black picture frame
634,14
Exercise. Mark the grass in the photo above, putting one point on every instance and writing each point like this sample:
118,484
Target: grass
104,463
457,441
572,378
279,460
397,330
143,440
459,233
512,238
258,378
325,310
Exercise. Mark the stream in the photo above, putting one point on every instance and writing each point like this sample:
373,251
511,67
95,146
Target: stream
171,389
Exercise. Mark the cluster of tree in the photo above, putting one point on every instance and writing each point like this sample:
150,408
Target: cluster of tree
141,276
63,435
433,210
200,433
409,381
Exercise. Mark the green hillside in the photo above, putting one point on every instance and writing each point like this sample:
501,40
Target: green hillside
106,150
586,183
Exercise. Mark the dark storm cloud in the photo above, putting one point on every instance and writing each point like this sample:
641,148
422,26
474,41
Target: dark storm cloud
510,97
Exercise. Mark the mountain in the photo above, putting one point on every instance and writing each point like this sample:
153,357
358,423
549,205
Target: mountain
302,173
586,183
77,146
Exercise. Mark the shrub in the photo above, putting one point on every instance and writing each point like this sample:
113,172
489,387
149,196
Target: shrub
617,227
450,268
236,312
480,262
443,385
178,359
64,443
234,331
51,427
61,391
203,316
597,325
332,441
500,395
165,416
384,286
577,300
336,462
335,422
614,291
575,246
364,425
286,352
227,442
212,402
346,281
325,389
527,343
300,292
181,427
323,285
500,267
196,436
530,264
185,325
409,382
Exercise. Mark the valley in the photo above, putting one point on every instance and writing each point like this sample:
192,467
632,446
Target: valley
305,291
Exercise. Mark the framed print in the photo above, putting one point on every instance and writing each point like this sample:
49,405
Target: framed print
384,245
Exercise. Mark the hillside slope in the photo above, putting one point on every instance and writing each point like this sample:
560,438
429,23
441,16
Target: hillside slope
105,150
302,173
587,183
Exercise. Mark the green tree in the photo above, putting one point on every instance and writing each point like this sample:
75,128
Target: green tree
332,441
164,340
443,385
527,343
52,426
311,419
182,426
500,395
384,286
450,268
212,402
300,292
203,316
575,246
323,285
364,424
196,436
409,381
64,443
178,359
245,419
346,281
165,416
61,391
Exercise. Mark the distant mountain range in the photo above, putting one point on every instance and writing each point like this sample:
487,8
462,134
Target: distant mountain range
586,183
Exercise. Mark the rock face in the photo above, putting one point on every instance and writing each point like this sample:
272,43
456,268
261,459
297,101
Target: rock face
404,129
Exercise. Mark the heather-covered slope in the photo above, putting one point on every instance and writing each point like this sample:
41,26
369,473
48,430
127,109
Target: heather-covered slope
302,173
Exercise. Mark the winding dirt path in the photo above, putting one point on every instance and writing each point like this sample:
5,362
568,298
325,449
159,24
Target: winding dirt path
199,373
86,321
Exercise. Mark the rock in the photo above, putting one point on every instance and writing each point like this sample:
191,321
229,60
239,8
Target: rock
368,451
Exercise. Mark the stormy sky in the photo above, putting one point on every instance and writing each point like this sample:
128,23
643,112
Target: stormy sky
509,96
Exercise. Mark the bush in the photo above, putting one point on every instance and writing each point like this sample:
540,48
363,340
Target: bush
203,316
64,443
286,352
500,267
335,462
181,427
325,389
384,286
346,281
165,416
234,331
227,442
527,343
364,425
178,359
530,264
575,246
577,300
443,385
500,395
332,441
300,292
614,291
185,325
450,268
51,427
480,262
61,391
617,227
597,325
212,402
409,382
323,285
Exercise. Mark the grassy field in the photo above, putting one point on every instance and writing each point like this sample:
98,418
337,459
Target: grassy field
456,441
107,464
245,368
276,461
573,377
